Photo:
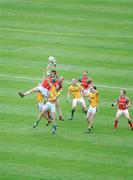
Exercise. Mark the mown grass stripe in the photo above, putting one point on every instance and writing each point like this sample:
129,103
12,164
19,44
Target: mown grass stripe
64,34
88,34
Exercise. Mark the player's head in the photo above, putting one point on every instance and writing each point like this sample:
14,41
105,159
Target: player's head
123,92
74,81
61,79
92,89
58,86
53,73
85,73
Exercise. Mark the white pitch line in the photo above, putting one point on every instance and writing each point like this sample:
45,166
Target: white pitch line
19,77
66,82
63,33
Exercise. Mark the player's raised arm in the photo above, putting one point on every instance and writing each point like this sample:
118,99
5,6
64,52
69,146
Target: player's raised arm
48,69
51,66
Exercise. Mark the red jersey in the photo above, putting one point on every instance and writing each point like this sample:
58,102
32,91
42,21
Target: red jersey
122,103
86,82
58,83
45,84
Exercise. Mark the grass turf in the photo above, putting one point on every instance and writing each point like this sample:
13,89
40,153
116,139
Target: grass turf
88,34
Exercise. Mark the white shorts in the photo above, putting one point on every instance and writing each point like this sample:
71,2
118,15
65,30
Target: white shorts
44,91
122,112
92,110
78,101
86,92
41,106
49,106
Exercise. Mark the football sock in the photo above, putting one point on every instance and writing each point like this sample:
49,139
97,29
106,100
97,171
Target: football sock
21,94
85,112
48,114
115,124
55,127
73,110
37,122
61,118
130,124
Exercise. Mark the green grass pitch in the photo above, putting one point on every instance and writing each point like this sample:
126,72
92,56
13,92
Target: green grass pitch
96,35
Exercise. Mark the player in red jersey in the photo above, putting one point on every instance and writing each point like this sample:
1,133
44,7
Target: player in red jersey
44,88
123,103
86,83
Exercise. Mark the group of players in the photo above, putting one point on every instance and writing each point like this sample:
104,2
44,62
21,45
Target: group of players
49,90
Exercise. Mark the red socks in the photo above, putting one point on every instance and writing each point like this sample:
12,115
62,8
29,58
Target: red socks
130,124
115,124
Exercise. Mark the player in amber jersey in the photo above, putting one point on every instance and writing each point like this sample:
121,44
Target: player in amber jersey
123,103
76,91
86,83
59,82
41,102
93,97
51,105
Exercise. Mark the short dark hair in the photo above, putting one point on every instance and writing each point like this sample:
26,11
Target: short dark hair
53,71
95,87
60,86
86,71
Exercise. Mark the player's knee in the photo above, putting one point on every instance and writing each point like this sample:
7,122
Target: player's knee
57,105
116,120
85,108
129,120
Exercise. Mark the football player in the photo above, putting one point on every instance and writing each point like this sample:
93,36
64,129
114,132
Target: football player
41,102
93,97
51,105
76,91
86,83
123,103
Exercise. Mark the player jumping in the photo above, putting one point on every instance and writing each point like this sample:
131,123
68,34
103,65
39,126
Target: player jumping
51,106
44,88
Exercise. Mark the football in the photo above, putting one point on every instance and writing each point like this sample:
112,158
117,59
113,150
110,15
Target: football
51,59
